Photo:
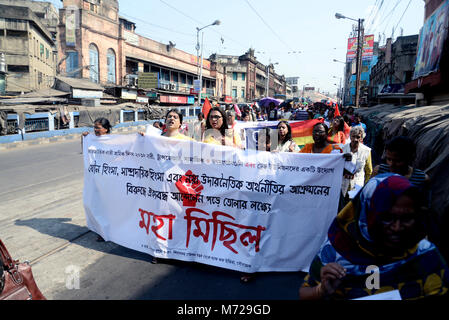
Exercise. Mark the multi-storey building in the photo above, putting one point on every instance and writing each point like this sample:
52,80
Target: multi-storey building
394,68
294,85
96,43
246,78
29,48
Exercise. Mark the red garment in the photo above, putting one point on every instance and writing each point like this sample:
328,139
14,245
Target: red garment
339,137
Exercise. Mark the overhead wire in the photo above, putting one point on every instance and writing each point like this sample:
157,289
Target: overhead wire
268,26
272,30
389,14
402,15
201,23
155,25
370,22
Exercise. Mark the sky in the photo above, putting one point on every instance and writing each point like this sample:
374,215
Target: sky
303,37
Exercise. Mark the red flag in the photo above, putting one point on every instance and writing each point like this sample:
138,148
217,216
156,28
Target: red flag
206,108
337,112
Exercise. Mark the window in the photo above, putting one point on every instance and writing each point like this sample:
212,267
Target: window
234,76
71,64
13,68
234,93
243,77
47,53
175,76
243,93
189,80
111,65
41,50
183,78
93,63
17,33
155,69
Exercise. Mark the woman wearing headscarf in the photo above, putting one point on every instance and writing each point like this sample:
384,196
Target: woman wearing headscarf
382,227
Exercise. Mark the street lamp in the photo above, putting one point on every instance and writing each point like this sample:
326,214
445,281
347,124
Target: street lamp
360,36
335,60
268,75
215,23
339,89
303,89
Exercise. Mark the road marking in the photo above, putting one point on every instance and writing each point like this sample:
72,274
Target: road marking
58,248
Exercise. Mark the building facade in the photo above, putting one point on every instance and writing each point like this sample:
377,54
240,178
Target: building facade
293,82
96,43
29,48
247,80
395,66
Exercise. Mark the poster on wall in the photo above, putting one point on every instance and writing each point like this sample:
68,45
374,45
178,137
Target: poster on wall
431,40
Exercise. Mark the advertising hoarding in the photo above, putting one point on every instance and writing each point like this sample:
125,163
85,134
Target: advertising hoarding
431,40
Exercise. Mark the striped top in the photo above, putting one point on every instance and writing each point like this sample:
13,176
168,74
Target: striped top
417,178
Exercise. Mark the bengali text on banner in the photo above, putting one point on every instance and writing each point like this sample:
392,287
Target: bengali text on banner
242,210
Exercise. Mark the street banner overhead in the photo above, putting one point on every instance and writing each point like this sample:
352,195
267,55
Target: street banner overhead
367,51
432,37
242,210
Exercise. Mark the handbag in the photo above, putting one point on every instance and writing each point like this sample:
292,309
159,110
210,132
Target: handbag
16,279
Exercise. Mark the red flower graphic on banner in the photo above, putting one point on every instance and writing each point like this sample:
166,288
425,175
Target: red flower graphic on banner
189,184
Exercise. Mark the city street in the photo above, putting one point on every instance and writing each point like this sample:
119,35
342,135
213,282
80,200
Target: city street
43,221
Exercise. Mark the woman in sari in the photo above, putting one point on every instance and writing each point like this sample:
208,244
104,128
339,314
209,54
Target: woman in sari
336,132
382,228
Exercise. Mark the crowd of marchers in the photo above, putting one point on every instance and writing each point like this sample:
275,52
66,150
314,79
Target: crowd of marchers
382,218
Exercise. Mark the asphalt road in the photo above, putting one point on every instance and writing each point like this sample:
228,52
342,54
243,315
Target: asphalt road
42,220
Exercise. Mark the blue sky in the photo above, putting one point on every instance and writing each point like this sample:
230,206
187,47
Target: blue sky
274,28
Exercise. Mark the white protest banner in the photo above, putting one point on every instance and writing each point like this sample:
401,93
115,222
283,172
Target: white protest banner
242,210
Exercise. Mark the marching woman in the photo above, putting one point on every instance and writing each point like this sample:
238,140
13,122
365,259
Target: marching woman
285,142
382,227
217,131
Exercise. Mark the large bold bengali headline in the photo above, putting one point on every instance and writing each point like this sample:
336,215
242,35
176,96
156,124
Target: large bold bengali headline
242,210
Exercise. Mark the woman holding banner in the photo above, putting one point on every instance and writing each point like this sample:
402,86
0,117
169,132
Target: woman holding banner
217,131
382,230
173,122
285,142
102,126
